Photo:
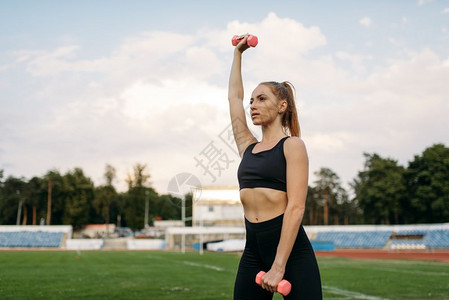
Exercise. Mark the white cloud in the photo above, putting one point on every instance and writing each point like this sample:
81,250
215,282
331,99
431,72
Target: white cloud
157,93
357,61
395,42
423,2
328,143
365,21
445,32
445,11
158,102
141,100
398,111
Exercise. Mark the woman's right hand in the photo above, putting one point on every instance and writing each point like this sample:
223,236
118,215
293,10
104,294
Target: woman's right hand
242,45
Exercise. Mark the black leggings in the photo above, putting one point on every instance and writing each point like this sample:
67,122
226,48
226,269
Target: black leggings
301,270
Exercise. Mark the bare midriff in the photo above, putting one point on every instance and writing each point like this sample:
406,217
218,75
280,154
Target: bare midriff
262,204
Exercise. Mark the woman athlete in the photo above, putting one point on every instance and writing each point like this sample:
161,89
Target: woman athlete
273,179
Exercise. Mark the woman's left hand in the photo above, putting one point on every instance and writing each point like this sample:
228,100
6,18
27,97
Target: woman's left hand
271,279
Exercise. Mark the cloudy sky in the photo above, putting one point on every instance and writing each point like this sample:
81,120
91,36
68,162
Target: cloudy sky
90,83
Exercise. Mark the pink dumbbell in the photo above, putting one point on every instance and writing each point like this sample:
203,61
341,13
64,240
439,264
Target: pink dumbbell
284,287
251,41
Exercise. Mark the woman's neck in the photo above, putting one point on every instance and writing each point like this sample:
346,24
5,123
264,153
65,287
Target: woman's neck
272,134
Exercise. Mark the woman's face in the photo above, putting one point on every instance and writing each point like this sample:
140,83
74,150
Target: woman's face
264,105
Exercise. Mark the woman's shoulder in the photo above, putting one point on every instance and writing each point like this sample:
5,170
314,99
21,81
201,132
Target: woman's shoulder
294,145
294,141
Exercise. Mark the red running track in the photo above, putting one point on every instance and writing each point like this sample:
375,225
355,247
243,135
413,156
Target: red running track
435,255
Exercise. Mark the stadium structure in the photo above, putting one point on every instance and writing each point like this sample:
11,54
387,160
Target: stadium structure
218,225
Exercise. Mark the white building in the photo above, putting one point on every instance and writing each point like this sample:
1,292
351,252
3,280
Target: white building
217,206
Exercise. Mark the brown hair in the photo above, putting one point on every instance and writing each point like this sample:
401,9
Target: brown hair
285,91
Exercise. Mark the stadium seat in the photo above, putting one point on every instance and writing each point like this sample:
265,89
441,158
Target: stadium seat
436,239
355,239
431,239
31,239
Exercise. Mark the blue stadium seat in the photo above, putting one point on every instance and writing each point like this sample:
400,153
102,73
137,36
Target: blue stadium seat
31,239
432,239
436,239
355,239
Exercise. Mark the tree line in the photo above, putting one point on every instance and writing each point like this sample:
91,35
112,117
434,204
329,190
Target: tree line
73,199
383,192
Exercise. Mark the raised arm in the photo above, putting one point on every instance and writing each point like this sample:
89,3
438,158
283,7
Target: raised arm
242,135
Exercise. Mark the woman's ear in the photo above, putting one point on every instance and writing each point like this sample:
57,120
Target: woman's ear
283,106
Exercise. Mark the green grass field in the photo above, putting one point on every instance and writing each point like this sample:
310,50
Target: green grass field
171,275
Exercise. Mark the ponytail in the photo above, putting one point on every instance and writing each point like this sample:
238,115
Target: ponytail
285,91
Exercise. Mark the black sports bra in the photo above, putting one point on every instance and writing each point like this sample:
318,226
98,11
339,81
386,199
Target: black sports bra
263,169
